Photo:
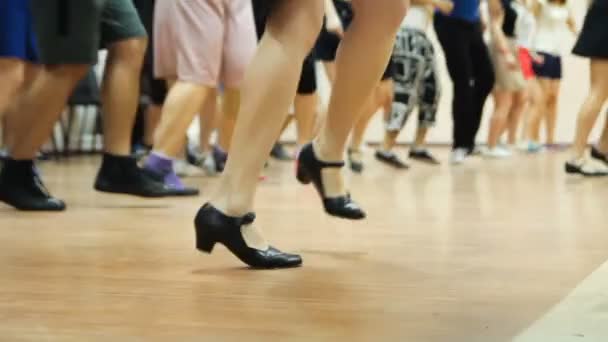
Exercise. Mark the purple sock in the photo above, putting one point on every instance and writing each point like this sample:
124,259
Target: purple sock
164,166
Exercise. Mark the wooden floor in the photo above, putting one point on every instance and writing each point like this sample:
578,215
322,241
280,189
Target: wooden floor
471,253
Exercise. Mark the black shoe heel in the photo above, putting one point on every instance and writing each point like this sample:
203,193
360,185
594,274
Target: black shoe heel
309,171
213,227
204,243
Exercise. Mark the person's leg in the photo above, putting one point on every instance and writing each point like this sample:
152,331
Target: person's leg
208,118
67,54
290,33
503,100
483,76
306,102
374,25
124,35
397,108
120,91
230,108
355,155
429,93
456,42
591,108
12,72
536,108
268,90
551,116
520,103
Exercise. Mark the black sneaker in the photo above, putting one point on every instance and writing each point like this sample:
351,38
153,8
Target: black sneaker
278,152
22,188
597,154
391,159
121,175
423,156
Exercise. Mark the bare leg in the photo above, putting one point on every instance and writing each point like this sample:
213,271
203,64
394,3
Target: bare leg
375,25
208,117
420,139
520,101
12,74
305,113
119,93
370,108
40,107
535,112
182,103
551,116
231,104
591,108
151,122
291,31
603,143
502,105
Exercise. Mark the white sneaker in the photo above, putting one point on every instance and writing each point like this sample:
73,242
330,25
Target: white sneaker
458,155
497,152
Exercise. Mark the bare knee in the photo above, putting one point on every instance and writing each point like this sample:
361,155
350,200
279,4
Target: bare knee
296,23
130,51
12,74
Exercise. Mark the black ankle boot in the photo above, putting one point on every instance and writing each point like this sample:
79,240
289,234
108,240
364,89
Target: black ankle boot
212,227
121,175
22,188
309,170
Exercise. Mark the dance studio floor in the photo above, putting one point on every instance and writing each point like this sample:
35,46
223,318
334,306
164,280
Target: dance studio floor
485,252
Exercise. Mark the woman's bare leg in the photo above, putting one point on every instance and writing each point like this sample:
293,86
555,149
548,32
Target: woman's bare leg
502,105
373,30
520,102
230,109
291,31
208,118
551,115
591,108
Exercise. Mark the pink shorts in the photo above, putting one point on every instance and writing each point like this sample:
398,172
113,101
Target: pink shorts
206,42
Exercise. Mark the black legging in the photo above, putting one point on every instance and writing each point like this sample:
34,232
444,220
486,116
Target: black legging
472,75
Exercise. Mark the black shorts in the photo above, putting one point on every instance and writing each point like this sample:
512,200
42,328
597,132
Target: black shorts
155,89
308,79
328,42
550,68
72,32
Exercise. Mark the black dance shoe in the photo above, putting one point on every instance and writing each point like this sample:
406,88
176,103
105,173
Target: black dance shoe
22,188
597,154
121,175
212,227
309,170
580,167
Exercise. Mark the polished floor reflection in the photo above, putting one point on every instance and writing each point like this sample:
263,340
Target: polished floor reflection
478,252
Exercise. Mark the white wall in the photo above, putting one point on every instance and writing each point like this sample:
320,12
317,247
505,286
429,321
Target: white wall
574,88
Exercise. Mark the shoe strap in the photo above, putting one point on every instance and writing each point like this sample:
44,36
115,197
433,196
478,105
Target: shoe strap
244,220
336,165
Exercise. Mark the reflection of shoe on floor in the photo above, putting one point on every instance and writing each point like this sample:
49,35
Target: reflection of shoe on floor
390,158
280,153
22,188
497,153
423,155
586,168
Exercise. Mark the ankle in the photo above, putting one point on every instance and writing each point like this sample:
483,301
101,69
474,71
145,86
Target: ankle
324,153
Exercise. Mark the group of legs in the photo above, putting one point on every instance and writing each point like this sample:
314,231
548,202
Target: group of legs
65,58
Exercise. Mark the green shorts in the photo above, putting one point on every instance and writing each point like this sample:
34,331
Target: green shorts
73,31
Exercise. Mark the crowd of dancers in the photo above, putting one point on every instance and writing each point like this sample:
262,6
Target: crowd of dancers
242,65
